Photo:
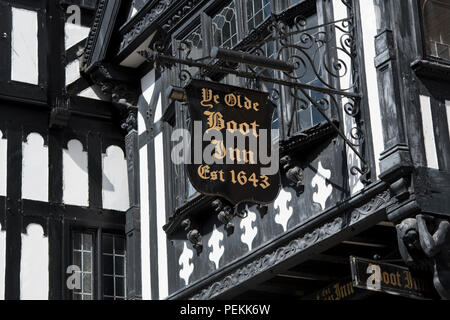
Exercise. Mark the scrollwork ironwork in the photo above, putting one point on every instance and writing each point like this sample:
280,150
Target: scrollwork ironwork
325,76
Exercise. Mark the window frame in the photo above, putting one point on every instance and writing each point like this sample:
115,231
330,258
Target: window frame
93,233
423,47
97,261
9,87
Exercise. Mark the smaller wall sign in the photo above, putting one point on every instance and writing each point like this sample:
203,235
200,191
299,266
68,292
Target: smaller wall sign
388,278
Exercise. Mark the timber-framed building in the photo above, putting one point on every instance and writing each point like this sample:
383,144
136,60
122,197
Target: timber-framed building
92,207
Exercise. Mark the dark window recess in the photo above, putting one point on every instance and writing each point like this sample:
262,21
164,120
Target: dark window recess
307,115
436,14
257,12
225,26
113,255
268,50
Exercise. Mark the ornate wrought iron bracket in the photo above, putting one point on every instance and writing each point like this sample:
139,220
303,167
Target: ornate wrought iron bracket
317,66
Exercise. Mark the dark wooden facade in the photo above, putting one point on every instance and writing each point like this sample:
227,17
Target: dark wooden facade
302,242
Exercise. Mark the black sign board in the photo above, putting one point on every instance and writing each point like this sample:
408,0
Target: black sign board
229,129
388,278
339,290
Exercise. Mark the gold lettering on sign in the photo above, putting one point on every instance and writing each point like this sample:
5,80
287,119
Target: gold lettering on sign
215,120
203,172
233,100
224,120
244,155
230,100
220,151
207,97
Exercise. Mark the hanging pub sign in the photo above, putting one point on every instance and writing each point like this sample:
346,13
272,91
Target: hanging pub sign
388,278
231,154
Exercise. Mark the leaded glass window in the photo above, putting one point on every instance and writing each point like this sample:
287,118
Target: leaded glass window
108,257
83,259
309,73
113,255
225,27
436,14
257,12
195,41
268,50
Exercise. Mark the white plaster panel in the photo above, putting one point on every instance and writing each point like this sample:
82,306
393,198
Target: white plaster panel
161,218
148,86
89,93
217,249
24,46
324,188
134,60
115,180
285,211
141,124
341,12
447,107
145,224
2,262
73,72
148,90
249,232
74,34
34,274
186,267
133,12
428,132
369,31
3,164
35,168
75,175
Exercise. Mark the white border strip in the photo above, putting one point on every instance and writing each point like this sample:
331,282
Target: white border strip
145,225
447,106
161,218
369,30
428,132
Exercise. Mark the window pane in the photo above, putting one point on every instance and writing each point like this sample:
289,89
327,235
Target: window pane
311,54
87,280
108,286
257,12
108,244
24,46
119,266
195,41
82,257
77,259
77,240
119,245
87,261
87,242
120,287
225,27
114,280
108,264
436,14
